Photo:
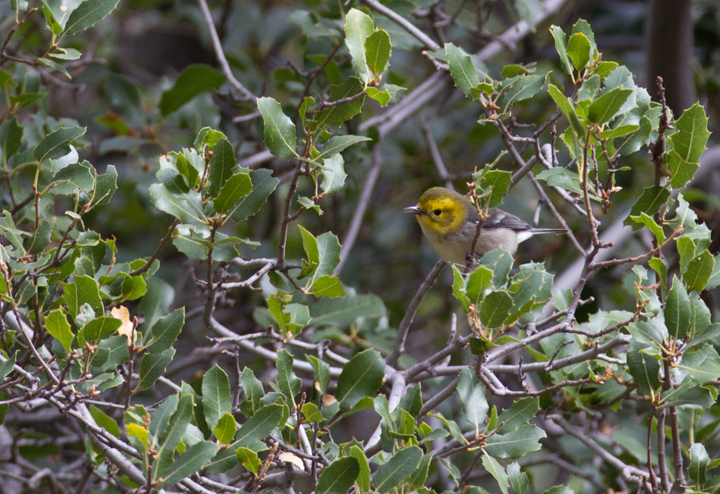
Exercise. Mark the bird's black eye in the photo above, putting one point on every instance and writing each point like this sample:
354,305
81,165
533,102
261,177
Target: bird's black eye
437,212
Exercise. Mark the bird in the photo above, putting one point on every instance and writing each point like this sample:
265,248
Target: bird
449,221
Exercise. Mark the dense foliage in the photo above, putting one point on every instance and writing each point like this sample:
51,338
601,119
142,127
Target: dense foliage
178,310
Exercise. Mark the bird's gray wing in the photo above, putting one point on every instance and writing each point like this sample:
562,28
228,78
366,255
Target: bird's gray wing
500,219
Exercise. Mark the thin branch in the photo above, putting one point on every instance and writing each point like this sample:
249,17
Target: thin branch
407,320
629,472
361,208
403,23
220,54
146,267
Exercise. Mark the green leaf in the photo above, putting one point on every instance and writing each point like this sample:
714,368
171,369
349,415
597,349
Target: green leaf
166,331
462,69
328,286
559,489
105,186
190,461
237,186
192,81
344,311
698,271
478,281
225,429
54,65
649,222
402,464
339,144
207,136
10,138
497,471
333,174
8,366
519,480
249,459
263,184
677,310
260,425
288,382
253,388
378,49
520,413
578,51
187,207
524,88
691,135
682,171
71,178
99,329
472,397
561,46
217,396
57,143
608,105
358,27
169,438
649,203
498,182
714,280
156,301
104,420
133,287
363,479
88,13
153,366
221,169
280,137
500,262
702,365
495,308
699,461
643,367
83,290
40,238
336,115
459,291
134,430
339,476
360,377
620,131
561,177
525,439
328,256
568,109
688,393
117,353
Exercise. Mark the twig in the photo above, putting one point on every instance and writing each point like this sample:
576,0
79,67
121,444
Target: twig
361,208
403,23
437,158
407,320
636,259
220,54
627,471
160,247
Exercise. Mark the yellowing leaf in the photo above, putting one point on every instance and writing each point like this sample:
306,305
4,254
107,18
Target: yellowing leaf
291,458
126,329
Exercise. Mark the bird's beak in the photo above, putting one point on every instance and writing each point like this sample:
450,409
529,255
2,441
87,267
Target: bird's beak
413,210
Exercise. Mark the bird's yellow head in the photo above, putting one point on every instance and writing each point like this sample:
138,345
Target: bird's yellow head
442,210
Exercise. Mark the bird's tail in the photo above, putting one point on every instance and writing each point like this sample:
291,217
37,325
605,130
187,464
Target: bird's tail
549,231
